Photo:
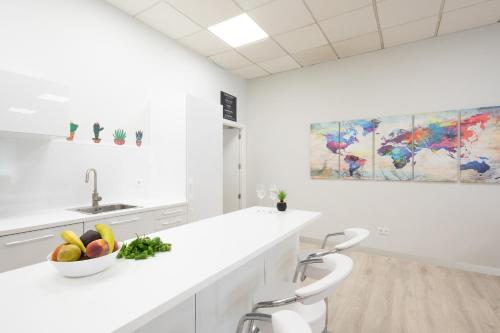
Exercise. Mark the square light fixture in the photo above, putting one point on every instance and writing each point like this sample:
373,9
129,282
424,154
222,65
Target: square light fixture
238,31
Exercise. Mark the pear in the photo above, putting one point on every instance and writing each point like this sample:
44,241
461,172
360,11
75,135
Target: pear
69,252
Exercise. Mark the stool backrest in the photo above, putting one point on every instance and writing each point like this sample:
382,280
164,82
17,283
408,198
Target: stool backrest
287,321
340,267
355,235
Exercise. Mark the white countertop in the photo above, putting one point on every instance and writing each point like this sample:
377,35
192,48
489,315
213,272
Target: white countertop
130,293
36,220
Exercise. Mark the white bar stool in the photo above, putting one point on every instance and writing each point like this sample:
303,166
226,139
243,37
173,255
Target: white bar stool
309,301
318,270
284,321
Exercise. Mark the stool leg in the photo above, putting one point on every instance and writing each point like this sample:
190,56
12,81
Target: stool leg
326,316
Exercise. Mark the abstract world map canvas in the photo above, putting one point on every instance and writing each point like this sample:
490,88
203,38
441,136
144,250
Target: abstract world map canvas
480,145
435,138
393,148
438,147
324,150
356,148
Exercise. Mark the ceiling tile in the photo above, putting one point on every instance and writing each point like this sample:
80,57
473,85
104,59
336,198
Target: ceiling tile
281,16
323,9
205,43
250,4
262,50
230,60
302,39
396,12
207,12
358,45
470,17
250,72
279,65
166,19
352,24
455,4
315,56
133,7
410,32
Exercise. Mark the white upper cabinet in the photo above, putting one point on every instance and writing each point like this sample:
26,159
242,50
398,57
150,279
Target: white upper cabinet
30,105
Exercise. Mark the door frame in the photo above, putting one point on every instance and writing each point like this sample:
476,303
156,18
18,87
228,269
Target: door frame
243,158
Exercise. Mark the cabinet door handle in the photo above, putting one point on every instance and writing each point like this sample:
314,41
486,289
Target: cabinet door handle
173,212
24,241
173,222
125,221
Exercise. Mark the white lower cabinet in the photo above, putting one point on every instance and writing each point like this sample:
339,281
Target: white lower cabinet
181,319
128,226
169,217
220,306
125,226
31,247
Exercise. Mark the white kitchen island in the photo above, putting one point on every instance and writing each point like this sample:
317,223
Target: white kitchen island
206,282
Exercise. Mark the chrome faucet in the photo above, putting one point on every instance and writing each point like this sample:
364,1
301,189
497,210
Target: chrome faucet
95,196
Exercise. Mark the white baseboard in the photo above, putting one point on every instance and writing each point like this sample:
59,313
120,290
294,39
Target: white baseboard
437,262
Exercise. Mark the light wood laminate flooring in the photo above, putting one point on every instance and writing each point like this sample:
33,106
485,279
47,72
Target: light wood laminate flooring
385,295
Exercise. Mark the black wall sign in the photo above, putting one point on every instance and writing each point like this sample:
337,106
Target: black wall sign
228,103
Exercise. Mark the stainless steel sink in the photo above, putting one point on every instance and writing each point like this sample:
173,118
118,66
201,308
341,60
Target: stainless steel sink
102,209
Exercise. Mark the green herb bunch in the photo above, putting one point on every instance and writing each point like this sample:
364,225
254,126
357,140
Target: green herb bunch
143,247
281,196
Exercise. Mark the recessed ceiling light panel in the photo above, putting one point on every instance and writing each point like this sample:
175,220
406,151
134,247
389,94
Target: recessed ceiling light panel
54,98
238,31
21,110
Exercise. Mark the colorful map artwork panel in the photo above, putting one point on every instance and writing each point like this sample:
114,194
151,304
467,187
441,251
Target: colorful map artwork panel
435,138
324,150
356,148
480,145
393,148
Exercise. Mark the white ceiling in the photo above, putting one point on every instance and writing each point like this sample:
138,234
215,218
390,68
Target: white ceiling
307,32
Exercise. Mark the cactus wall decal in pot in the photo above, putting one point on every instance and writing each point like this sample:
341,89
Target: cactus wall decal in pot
138,138
97,130
281,205
119,136
72,129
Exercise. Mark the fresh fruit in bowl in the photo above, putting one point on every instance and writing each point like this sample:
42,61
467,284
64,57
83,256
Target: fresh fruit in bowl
97,248
92,252
89,236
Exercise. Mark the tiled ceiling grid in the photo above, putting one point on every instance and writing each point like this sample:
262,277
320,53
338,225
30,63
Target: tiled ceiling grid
307,32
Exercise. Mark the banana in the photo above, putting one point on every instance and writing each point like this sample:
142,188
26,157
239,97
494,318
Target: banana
107,234
70,237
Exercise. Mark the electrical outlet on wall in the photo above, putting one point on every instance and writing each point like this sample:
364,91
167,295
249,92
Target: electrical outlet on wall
383,231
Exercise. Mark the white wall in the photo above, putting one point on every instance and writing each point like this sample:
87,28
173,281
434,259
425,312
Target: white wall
118,71
453,223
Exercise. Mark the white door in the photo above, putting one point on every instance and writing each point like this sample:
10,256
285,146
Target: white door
231,168
204,159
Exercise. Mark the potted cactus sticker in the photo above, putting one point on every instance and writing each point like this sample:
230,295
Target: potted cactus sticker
119,136
138,138
281,205
72,129
97,130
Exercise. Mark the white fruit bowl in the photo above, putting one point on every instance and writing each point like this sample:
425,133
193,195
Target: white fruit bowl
83,268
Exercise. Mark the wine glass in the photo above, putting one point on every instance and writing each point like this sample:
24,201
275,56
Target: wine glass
273,195
261,193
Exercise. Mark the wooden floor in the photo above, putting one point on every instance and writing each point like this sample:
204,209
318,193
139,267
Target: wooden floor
385,294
